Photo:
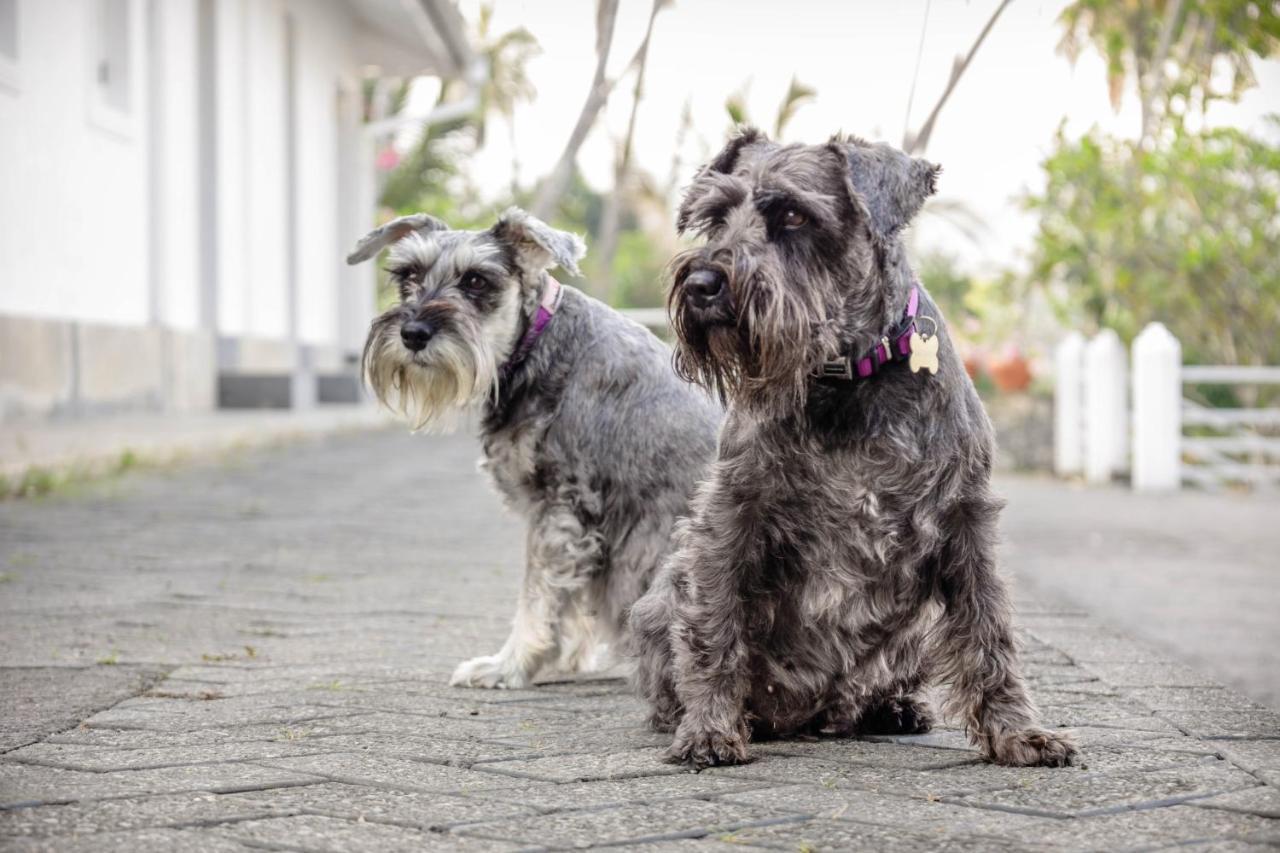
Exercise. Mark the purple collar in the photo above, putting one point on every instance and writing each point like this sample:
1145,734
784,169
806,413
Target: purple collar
551,293
894,346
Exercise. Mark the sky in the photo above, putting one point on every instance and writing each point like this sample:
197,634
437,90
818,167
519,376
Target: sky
859,55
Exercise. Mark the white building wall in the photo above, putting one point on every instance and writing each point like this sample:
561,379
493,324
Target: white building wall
131,240
175,162
74,245
320,68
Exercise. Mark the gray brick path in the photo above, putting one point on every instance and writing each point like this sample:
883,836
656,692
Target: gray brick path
255,656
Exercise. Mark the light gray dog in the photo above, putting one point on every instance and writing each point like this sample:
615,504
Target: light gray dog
842,551
587,431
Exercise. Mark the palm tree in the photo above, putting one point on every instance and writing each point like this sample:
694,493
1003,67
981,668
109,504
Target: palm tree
507,84
1165,48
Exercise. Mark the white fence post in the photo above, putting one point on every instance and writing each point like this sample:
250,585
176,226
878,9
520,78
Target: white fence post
1068,405
1157,410
1106,416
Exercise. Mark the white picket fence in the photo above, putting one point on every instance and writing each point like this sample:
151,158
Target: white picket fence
1099,435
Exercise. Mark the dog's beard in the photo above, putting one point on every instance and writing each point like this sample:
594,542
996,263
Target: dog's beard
457,371
764,355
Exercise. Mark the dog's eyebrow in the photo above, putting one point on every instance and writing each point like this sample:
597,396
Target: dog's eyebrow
719,193
819,207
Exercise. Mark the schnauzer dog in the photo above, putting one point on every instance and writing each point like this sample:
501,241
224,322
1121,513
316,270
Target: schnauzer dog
586,429
841,553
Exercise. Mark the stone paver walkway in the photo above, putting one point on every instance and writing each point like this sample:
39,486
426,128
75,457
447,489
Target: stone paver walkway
255,655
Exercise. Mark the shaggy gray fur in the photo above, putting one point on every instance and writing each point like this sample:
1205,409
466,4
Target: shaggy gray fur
591,436
841,553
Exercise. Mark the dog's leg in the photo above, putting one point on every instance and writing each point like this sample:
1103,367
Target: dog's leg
709,651
977,650
650,640
562,556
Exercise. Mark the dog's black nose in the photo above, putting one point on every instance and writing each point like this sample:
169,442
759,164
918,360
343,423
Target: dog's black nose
704,286
416,334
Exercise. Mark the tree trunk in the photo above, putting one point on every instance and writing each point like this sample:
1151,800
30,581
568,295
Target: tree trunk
918,143
554,185
610,220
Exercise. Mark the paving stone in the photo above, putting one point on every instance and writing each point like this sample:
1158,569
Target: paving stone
319,833
133,841
585,767
1094,647
1227,722
1149,674
382,805
439,750
1190,698
1089,793
1124,758
24,784
153,719
821,834
1104,713
1250,754
876,753
940,782
1263,800
257,732
38,701
635,822
1149,828
910,814
365,769
345,734
134,813
600,793
570,740
74,757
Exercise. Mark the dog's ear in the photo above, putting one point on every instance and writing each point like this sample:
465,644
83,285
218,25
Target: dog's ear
537,244
397,229
723,163
892,185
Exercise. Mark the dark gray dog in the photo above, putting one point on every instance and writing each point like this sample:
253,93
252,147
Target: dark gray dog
587,431
842,551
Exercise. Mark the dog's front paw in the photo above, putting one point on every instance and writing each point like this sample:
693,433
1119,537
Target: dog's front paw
1033,748
901,715
488,671
699,747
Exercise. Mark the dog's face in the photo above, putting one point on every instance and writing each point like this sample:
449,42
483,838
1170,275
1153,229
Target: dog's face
796,241
464,297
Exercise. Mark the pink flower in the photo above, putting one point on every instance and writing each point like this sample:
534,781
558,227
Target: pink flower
388,158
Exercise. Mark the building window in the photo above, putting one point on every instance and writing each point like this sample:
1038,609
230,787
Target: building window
9,43
111,65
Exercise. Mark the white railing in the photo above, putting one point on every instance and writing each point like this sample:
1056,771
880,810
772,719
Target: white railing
1093,422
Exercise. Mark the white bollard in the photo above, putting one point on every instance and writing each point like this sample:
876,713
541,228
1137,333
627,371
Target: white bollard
1157,410
1106,415
1068,406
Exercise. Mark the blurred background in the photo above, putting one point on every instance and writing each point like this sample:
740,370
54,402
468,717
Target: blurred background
182,179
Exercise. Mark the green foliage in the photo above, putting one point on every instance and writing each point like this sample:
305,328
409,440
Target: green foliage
1174,53
1183,234
797,95
638,271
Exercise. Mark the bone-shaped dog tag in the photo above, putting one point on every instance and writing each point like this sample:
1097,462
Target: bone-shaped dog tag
924,353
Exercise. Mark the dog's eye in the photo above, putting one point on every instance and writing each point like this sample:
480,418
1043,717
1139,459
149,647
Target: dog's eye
794,219
473,283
